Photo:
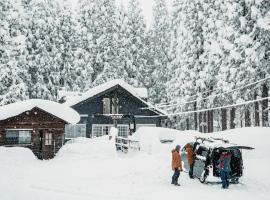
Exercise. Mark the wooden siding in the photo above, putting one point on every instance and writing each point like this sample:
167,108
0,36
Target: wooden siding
40,122
128,104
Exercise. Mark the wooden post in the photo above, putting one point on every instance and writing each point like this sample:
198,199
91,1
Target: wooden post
115,106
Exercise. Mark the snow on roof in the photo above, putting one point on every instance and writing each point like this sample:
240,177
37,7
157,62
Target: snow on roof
105,86
58,110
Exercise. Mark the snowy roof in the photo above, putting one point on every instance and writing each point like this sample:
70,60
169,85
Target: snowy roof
105,86
58,110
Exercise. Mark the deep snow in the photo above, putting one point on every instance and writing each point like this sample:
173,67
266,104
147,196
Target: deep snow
90,169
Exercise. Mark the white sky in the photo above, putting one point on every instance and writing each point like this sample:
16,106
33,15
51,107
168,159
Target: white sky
146,6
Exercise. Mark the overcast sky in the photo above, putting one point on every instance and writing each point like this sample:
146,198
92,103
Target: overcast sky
146,6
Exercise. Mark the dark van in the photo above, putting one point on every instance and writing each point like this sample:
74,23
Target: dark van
208,151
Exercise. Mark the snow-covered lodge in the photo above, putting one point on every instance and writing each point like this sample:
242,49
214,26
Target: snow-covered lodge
36,124
111,103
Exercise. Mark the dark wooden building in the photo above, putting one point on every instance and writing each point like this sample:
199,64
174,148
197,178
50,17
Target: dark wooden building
114,103
35,124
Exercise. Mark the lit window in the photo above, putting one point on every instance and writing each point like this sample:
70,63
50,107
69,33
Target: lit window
48,138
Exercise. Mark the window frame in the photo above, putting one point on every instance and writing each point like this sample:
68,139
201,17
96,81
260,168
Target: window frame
106,105
48,139
73,127
102,128
18,137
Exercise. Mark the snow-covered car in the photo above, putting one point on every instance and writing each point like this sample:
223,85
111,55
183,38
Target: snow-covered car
207,154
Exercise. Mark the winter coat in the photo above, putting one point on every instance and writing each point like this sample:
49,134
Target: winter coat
176,160
190,154
225,162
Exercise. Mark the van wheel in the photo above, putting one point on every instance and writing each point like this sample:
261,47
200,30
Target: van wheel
203,177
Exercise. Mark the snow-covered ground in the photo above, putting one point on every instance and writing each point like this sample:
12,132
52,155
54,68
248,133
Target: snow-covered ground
90,169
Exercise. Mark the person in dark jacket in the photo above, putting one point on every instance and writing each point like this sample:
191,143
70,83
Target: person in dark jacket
176,165
225,168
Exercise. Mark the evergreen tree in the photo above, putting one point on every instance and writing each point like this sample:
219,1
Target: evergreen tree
159,41
136,44
12,52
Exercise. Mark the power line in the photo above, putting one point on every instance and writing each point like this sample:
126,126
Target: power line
204,110
209,97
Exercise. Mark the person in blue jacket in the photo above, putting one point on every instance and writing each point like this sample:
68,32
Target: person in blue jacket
225,168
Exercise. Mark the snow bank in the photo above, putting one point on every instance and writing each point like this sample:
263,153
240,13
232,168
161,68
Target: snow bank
88,169
16,155
59,110
88,148
150,138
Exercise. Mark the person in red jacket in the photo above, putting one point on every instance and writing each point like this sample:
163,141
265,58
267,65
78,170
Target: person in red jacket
176,165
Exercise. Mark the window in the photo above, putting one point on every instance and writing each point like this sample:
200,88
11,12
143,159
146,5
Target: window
99,130
106,106
123,131
73,131
18,136
110,107
48,138
115,106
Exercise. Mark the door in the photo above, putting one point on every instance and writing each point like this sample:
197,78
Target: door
48,145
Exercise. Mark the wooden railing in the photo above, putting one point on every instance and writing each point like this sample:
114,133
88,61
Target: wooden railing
125,144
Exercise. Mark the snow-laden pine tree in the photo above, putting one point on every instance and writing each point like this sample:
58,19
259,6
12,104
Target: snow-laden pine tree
119,70
244,50
136,43
41,47
185,53
158,47
65,43
97,18
12,52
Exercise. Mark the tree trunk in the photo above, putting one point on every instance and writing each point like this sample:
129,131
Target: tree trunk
204,122
232,123
210,121
265,106
223,119
200,122
195,116
256,110
187,121
247,118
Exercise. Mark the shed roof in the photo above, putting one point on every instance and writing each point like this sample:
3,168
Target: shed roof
61,111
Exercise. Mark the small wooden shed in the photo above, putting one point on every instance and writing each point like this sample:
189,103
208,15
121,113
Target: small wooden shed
36,124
